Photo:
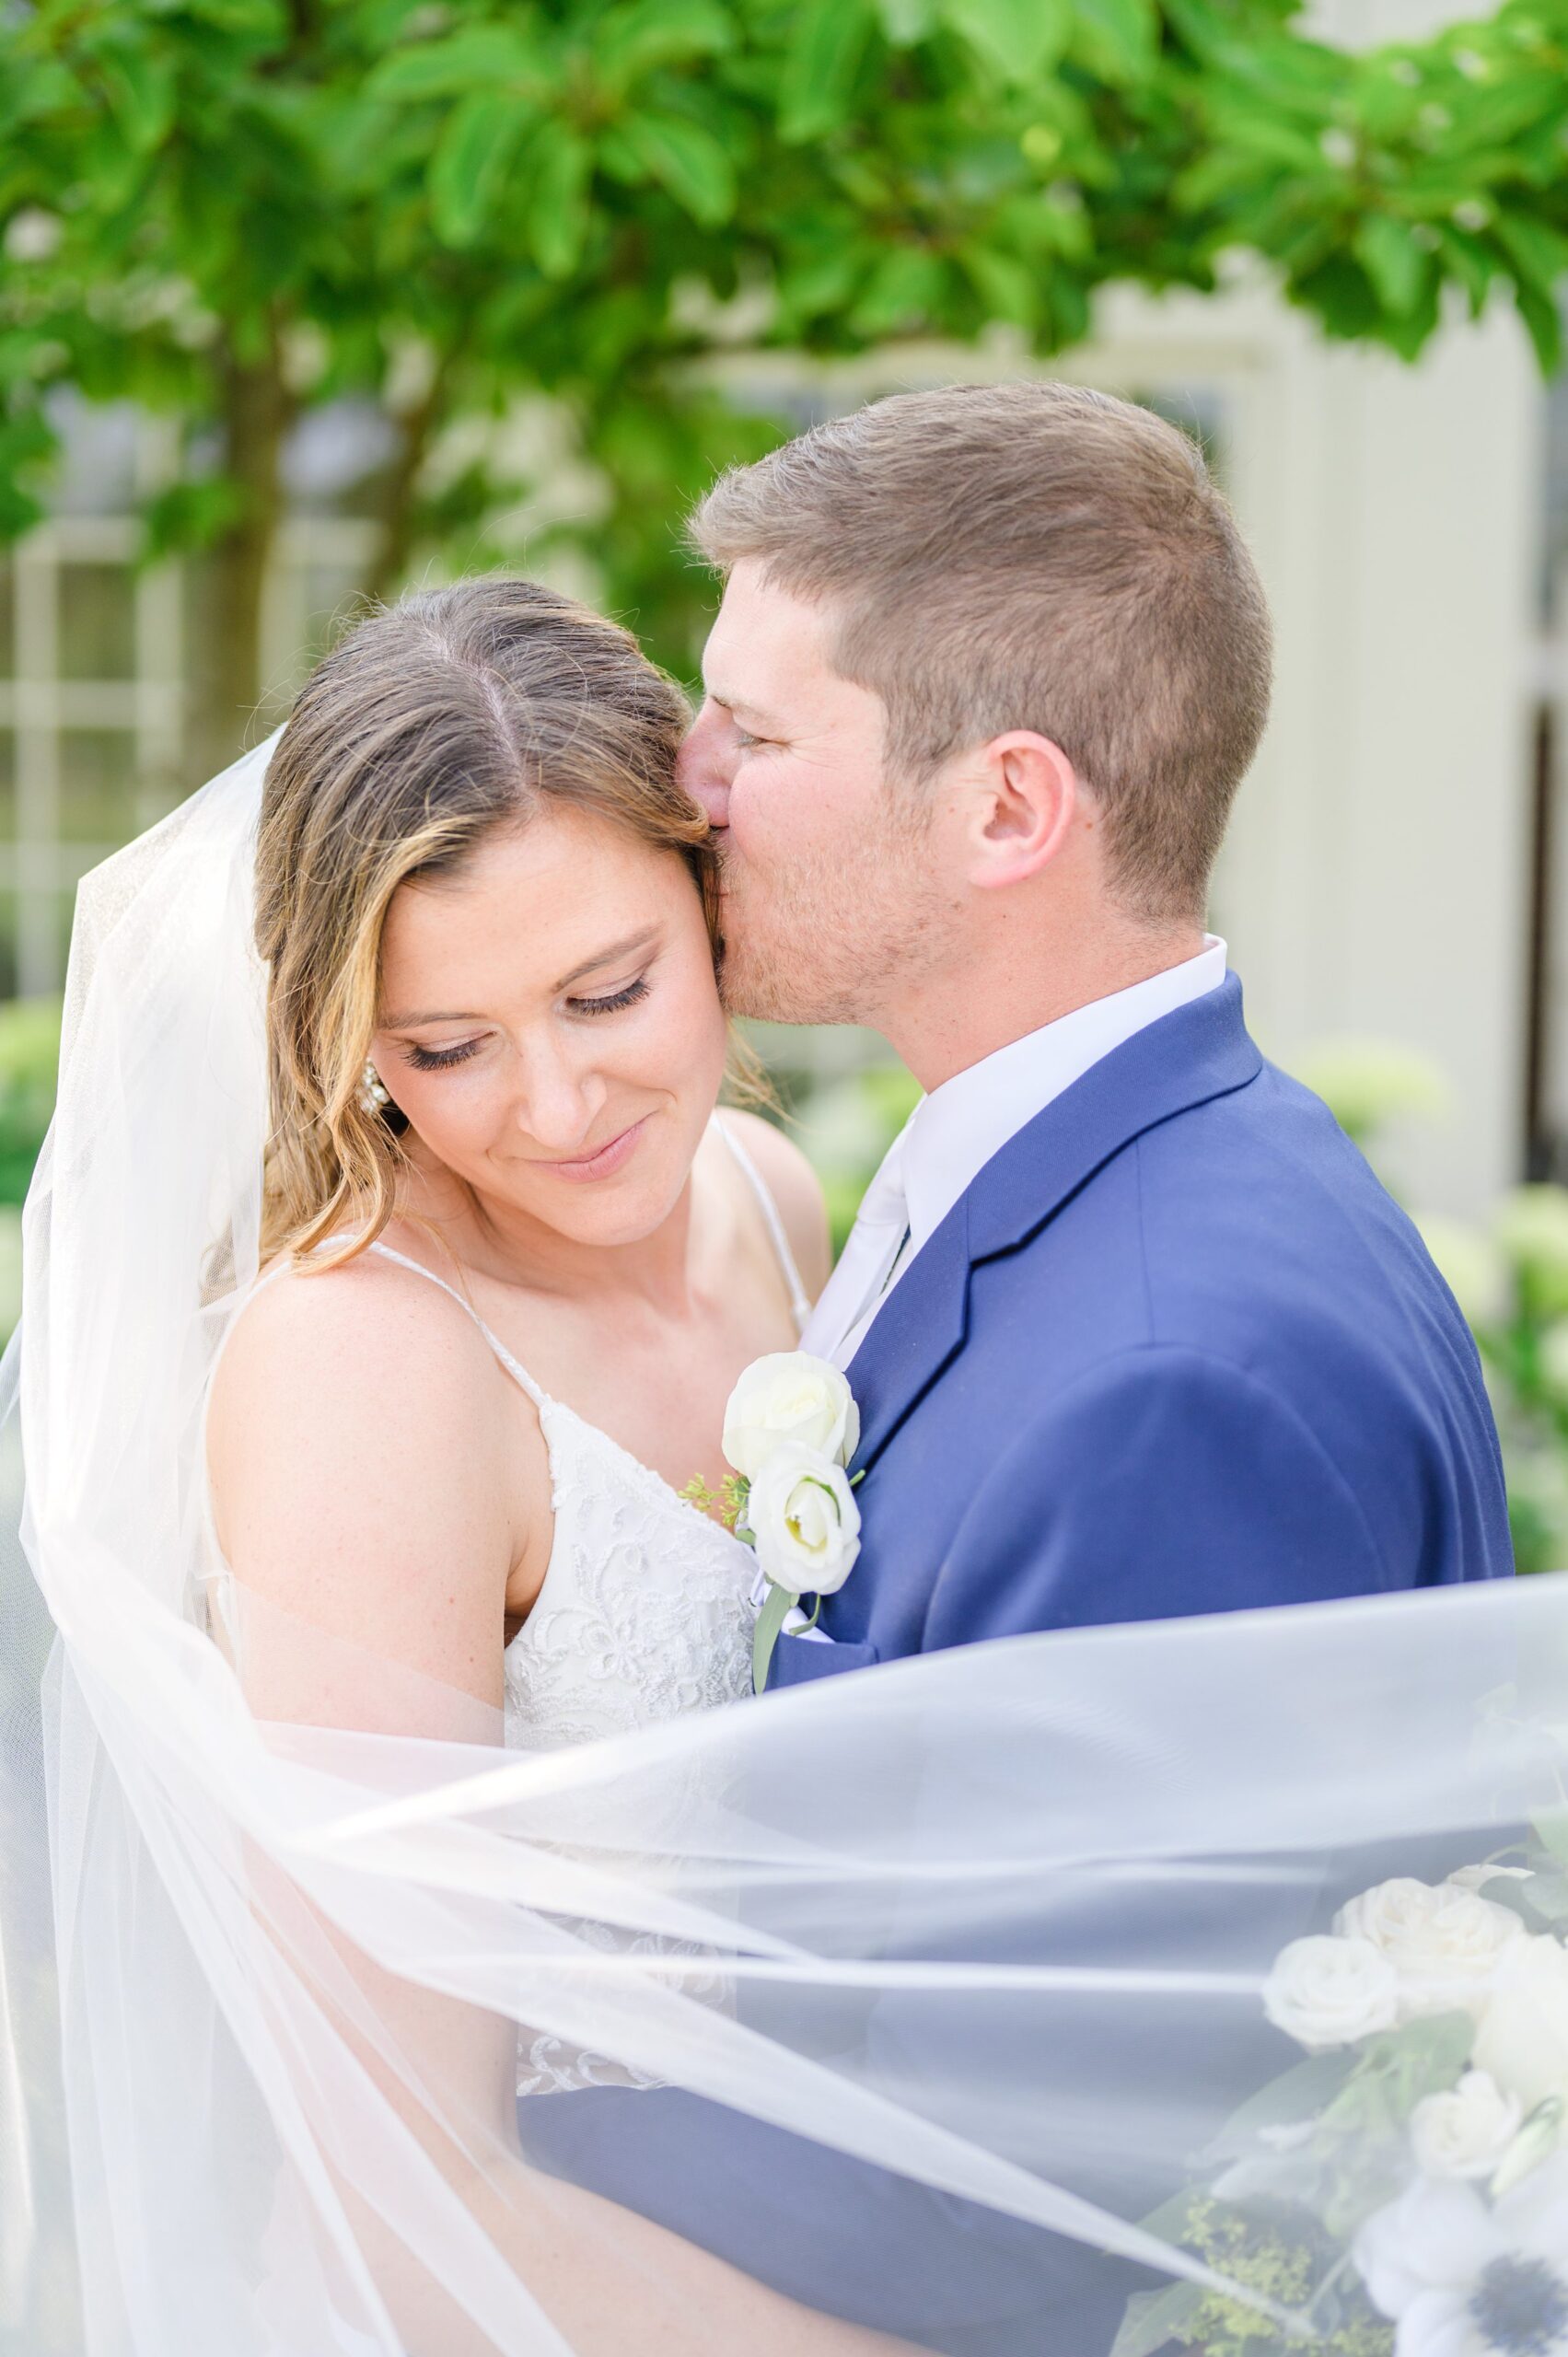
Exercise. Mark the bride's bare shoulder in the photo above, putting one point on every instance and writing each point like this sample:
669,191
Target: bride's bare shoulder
357,1361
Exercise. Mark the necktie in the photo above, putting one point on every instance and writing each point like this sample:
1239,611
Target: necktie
856,1285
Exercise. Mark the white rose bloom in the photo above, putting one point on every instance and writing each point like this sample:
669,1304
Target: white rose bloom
789,1396
1326,1992
804,1520
1443,1940
1466,2131
1522,2036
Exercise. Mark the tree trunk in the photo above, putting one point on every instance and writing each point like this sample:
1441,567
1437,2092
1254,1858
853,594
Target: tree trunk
225,682
397,491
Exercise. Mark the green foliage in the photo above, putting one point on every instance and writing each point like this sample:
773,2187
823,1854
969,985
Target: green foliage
727,1503
1369,1083
440,205
846,1127
29,1057
1280,2266
1509,1276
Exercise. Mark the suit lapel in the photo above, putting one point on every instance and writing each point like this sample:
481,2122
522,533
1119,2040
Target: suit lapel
1201,1051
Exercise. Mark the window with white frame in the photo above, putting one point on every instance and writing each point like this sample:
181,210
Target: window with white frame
94,664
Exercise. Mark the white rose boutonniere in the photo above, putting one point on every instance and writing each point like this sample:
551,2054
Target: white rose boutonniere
805,1523
789,1396
789,1430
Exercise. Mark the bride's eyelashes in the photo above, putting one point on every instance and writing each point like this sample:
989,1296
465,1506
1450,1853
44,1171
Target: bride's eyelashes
443,1059
633,993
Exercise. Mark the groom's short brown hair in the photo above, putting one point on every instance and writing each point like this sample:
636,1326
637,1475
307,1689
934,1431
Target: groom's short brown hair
1030,556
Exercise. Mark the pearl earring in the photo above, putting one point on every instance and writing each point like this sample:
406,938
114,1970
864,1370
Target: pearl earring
374,1094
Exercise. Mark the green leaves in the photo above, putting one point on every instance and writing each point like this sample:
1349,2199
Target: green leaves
477,58
819,66
1154,2319
574,201
141,88
1395,264
634,41
1118,39
470,162
557,214
687,160
1018,38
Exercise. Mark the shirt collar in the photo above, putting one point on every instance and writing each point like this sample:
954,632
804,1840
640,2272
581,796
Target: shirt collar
953,1134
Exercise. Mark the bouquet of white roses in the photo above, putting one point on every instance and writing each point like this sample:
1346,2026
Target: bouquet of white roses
790,1430
1404,2189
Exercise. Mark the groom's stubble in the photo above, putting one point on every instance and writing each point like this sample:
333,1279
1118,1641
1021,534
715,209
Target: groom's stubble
832,933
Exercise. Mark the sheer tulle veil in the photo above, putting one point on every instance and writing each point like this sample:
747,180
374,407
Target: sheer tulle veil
992,1930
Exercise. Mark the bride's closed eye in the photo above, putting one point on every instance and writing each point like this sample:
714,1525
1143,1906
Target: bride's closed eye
631,995
442,1059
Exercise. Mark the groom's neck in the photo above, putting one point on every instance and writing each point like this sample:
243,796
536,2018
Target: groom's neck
1003,984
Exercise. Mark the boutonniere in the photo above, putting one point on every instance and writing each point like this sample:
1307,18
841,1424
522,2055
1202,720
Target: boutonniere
789,1430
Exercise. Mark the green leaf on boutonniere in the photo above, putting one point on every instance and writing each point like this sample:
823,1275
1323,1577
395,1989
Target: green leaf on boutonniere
777,1607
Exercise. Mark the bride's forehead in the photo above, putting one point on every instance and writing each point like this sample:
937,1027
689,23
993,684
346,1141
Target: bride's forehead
548,893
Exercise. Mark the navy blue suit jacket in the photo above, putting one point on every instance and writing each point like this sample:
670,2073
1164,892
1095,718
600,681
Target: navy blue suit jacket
1175,1351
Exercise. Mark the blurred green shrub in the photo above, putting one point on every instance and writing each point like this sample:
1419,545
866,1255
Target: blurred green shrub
30,1056
846,1127
1509,1275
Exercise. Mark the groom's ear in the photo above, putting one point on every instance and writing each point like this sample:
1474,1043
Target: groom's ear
1023,811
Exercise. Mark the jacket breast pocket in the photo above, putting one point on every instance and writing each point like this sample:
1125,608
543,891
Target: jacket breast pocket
797,1660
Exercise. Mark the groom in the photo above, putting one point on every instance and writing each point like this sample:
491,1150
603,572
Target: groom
1134,1330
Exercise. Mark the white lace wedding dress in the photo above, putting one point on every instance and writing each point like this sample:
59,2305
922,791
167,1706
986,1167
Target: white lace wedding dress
644,1612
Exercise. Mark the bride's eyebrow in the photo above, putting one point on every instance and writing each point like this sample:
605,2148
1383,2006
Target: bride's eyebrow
412,1022
616,951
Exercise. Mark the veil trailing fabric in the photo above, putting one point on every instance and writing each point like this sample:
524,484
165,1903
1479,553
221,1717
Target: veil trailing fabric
1001,1943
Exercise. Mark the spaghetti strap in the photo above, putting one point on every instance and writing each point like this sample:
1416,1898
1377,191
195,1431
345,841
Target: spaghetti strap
799,1300
519,1374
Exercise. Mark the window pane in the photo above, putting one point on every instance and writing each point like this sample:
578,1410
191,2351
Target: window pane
98,786
98,622
8,620
7,784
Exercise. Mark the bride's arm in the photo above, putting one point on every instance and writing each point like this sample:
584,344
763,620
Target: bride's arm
365,1475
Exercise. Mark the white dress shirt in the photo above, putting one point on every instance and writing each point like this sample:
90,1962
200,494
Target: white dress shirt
952,1133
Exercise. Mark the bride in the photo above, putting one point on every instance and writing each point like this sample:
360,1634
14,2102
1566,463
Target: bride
516,1258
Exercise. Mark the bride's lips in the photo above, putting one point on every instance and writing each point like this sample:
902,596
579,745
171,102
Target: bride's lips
605,1161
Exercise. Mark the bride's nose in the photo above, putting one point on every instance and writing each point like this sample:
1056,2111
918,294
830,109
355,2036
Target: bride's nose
559,1099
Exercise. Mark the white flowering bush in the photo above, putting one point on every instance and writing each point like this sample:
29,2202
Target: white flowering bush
1404,2187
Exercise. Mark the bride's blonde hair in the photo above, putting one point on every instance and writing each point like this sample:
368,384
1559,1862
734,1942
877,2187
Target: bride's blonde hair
431,724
